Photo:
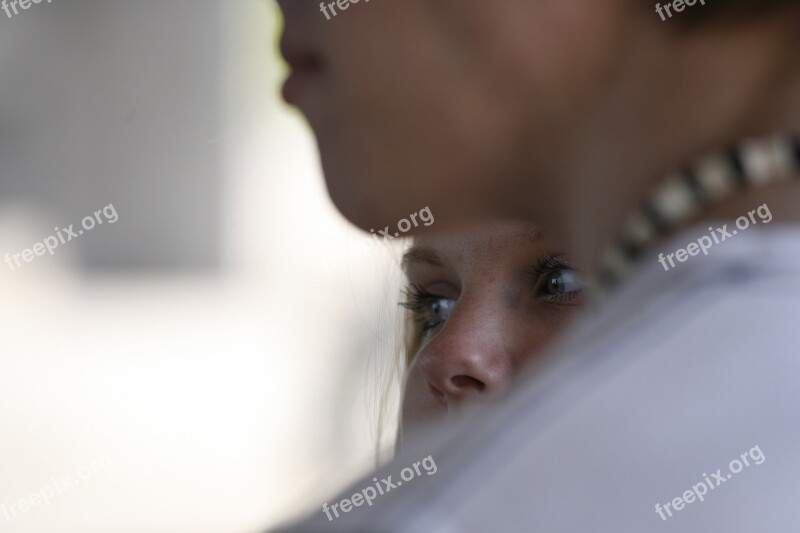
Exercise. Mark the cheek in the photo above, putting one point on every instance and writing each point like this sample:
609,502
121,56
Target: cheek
390,71
429,102
403,121
540,327
548,55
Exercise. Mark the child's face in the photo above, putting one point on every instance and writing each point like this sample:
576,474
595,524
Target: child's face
485,303
447,103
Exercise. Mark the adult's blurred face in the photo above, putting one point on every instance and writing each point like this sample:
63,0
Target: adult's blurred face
446,103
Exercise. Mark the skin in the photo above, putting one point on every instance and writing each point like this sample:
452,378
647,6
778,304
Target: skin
455,104
501,316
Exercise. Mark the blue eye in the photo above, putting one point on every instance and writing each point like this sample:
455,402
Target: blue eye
438,310
556,281
563,282
429,309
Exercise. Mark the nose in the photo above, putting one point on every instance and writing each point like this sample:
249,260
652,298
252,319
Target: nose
296,11
467,360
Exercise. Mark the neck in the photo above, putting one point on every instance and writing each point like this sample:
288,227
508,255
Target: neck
704,92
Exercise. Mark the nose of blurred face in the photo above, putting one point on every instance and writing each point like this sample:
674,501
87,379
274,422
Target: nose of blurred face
295,6
469,358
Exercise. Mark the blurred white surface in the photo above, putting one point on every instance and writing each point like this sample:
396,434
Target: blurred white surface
227,399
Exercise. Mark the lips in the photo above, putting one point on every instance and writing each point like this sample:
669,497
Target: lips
305,66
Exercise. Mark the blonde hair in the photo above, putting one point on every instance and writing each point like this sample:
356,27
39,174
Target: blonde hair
400,341
387,368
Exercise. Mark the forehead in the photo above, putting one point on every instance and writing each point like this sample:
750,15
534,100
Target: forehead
479,245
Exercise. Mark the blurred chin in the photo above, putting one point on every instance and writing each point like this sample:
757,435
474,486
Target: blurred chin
353,194
368,191
348,205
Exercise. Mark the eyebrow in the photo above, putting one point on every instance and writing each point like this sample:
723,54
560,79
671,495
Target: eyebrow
420,254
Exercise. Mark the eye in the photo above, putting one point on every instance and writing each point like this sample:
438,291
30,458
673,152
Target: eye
429,309
556,281
562,282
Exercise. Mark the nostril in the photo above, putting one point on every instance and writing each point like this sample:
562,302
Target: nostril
440,396
467,383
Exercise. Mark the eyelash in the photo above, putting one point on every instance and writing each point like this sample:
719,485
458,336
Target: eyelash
546,266
418,300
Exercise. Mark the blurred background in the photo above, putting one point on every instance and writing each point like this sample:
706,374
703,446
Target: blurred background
214,359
